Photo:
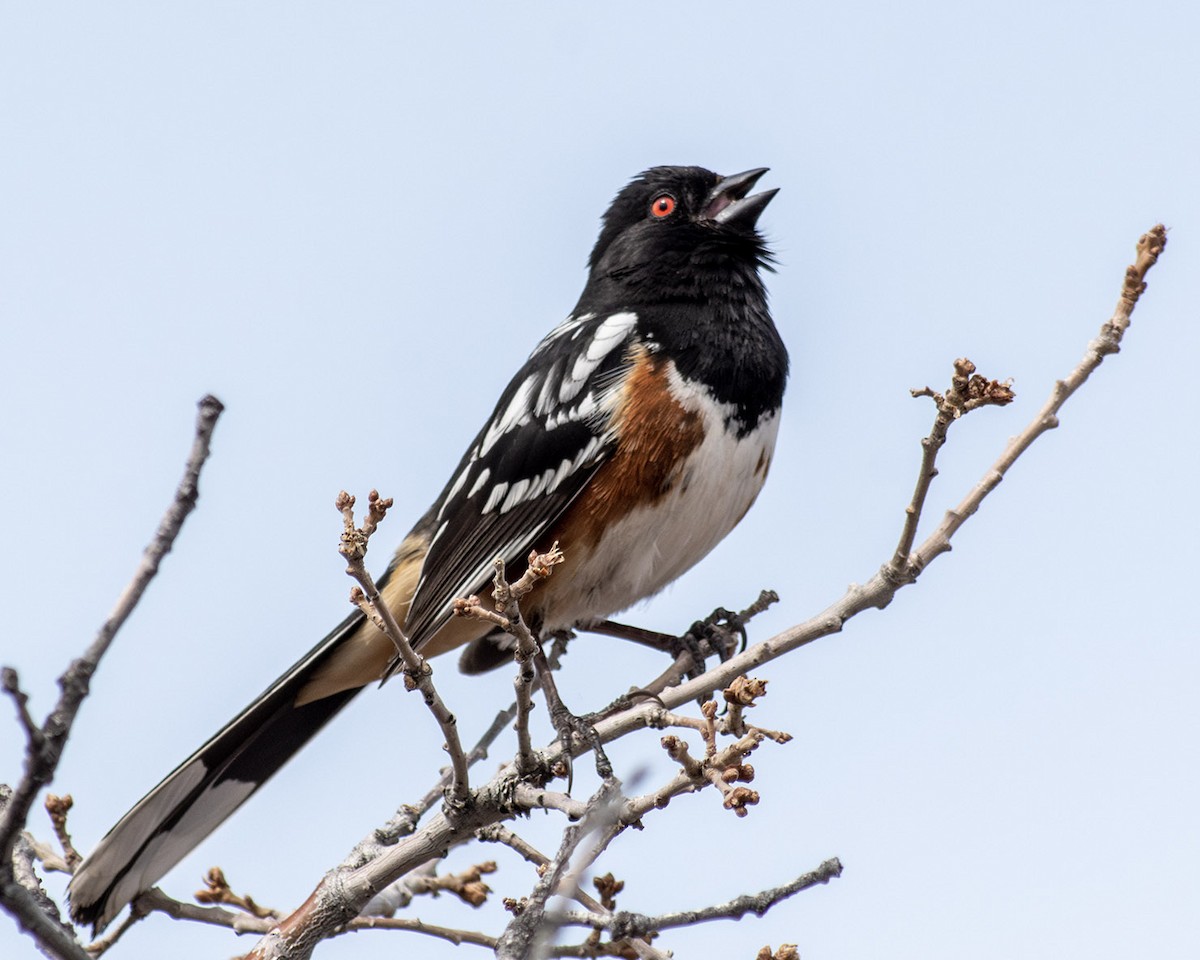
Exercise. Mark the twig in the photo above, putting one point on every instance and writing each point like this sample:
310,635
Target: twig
54,937
50,859
623,925
44,751
405,820
524,933
478,752
467,885
498,833
58,807
11,684
1108,341
101,945
507,616
155,901
218,891
344,892
532,797
418,675
966,393
344,880
455,936
720,768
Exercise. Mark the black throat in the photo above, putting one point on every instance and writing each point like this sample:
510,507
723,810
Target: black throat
710,315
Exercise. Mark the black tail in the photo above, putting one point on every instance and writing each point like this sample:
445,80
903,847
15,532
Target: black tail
197,796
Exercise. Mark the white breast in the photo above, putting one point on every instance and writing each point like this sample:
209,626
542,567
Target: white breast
653,545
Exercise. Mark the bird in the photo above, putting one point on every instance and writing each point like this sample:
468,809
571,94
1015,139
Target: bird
637,434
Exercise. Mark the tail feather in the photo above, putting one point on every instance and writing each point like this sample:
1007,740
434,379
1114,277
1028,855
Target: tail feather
196,797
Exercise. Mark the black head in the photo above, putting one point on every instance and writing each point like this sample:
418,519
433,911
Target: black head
670,220
680,248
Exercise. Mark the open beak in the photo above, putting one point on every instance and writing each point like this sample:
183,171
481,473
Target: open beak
728,204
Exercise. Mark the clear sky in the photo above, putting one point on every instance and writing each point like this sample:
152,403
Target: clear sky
351,222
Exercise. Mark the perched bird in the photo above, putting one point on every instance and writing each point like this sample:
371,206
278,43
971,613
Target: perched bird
637,435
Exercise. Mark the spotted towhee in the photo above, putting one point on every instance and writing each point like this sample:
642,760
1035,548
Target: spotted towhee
637,435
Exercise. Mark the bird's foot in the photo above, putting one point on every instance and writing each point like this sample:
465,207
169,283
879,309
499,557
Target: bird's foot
573,730
570,728
722,632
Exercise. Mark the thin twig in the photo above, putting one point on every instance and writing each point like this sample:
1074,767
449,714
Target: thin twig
11,685
218,891
1108,341
467,884
57,808
626,925
968,391
527,930
43,753
418,675
507,616
38,914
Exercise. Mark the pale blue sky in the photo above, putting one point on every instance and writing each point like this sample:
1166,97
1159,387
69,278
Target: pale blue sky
352,222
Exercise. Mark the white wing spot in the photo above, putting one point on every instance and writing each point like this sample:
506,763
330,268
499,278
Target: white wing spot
545,400
495,496
571,324
606,338
565,469
458,485
587,406
479,482
516,494
516,414
586,453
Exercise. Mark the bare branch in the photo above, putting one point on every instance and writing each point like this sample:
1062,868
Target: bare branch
155,901
625,925
38,914
51,860
455,936
531,797
498,833
966,393
58,807
529,928
721,769
683,661
507,616
467,885
218,891
1108,341
418,675
11,684
44,750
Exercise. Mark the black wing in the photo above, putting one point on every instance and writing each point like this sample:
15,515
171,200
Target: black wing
550,432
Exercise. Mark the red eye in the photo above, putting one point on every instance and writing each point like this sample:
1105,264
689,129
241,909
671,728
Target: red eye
663,206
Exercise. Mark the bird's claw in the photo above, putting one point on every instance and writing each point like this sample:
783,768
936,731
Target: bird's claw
721,632
571,730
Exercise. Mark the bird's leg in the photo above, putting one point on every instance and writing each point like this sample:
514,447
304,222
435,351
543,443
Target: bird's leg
663,642
566,724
